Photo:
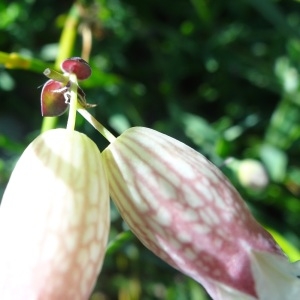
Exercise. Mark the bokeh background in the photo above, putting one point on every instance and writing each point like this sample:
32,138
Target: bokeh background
221,76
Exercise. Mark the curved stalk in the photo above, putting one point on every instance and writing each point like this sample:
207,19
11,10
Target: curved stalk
73,102
96,124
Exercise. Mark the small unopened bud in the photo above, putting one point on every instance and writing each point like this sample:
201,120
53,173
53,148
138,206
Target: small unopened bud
252,175
54,220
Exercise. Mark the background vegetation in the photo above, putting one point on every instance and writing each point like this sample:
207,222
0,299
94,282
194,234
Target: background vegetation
221,76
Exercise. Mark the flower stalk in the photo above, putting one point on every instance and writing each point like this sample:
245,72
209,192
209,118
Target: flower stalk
52,74
73,102
97,125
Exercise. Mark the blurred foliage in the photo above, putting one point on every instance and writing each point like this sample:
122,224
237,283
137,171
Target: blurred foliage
221,76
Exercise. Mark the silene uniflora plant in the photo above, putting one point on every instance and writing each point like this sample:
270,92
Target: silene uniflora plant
54,216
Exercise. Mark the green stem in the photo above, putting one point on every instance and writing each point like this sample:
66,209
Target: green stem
66,46
97,125
73,102
48,123
56,76
68,36
17,61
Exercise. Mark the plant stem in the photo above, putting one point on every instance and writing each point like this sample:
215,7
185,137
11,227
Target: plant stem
66,46
56,76
48,123
73,103
17,61
87,41
68,36
97,125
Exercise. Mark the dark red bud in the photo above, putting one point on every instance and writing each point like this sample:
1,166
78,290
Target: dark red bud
78,66
53,99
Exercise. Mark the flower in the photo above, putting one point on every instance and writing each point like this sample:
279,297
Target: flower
184,210
54,219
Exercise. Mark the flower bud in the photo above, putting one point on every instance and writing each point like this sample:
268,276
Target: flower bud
252,175
184,210
54,220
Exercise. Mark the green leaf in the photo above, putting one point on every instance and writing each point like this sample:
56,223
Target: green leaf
119,241
275,161
290,250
